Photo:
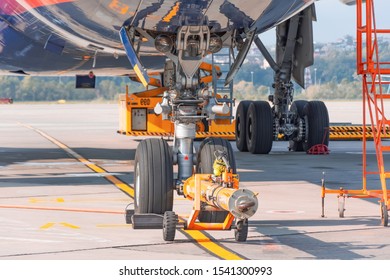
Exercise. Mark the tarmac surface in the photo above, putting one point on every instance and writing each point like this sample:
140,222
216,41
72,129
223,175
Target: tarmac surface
52,206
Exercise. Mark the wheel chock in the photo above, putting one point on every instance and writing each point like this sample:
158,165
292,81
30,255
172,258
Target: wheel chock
129,215
319,149
147,221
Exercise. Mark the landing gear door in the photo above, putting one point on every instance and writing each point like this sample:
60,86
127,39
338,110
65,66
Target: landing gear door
304,49
240,57
133,58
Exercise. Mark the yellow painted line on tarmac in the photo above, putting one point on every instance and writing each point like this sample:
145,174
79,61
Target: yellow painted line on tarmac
207,244
210,246
50,225
114,180
69,225
38,200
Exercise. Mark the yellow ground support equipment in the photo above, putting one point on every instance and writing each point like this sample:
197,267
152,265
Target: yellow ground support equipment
218,204
353,132
220,191
137,116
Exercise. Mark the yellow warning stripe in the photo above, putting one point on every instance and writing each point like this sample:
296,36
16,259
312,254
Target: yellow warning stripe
114,180
226,135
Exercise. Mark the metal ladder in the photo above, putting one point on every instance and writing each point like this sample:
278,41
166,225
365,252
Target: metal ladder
224,60
372,69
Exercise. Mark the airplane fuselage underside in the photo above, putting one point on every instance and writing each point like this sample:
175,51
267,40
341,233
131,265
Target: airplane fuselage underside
64,37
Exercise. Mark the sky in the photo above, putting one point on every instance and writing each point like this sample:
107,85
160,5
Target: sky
335,20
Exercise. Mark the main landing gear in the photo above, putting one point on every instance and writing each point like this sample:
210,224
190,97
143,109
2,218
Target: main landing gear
305,124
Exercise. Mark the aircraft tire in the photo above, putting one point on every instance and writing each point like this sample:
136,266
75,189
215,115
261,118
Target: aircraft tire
317,124
153,177
259,128
240,125
205,161
298,108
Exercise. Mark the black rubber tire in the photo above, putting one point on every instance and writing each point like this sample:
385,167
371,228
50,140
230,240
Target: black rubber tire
259,128
169,225
205,161
317,124
297,107
153,177
240,235
240,125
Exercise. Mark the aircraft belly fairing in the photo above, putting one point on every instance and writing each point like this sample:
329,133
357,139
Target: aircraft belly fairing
89,29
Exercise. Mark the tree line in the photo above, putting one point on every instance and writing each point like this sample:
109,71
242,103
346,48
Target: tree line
333,76
27,89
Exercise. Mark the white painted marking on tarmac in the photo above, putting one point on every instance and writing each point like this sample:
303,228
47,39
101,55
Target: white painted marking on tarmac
28,240
48,163
359,153
93,174
285,212
249,170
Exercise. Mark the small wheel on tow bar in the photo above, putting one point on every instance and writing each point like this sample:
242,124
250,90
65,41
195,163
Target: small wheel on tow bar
153,177
169,225
259,127
241,232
